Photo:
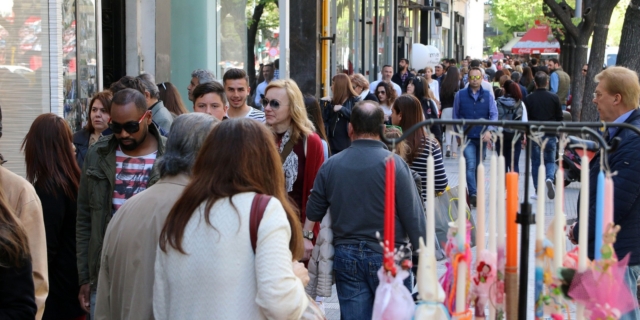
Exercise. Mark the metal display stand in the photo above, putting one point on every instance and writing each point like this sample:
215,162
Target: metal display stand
524,217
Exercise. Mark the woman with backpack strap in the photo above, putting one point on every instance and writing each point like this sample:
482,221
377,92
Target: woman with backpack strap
511,107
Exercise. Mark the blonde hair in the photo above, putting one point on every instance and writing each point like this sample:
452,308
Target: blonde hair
359,80
301,126
429,68
622,81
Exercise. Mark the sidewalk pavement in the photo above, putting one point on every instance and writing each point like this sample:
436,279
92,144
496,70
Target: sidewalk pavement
332,307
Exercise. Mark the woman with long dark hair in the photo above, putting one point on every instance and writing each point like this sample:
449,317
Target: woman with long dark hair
511,107
55,175
98,122
527,79
315,115
337,112
448,90
17,296
407,112
205,242
386,95
170,96
415,87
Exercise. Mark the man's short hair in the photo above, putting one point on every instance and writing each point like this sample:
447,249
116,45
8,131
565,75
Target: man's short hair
386,66
235,74
453,61
127,82
149,84
475,69
128,95
622,81
541,78
516,76
366,120
276,63
405,60
475,63
203,75
188,133
270,65
555,61
534,61
209,87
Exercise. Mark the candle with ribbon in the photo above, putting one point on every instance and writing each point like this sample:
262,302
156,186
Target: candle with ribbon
583,226
389,216
461,283
599,216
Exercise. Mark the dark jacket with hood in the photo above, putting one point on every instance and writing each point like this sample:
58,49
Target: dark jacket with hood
336,124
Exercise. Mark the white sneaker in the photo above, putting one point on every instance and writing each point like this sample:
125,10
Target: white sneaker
551,189
534,197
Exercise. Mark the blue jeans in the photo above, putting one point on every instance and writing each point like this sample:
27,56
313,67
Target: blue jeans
356,269
92,305
631,279
472,157
549,160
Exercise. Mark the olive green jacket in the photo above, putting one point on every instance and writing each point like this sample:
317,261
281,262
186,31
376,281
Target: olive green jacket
95,203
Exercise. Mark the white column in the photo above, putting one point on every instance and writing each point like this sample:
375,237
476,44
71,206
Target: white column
284,39
54,61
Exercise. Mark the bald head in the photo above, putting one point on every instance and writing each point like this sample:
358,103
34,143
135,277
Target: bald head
366,118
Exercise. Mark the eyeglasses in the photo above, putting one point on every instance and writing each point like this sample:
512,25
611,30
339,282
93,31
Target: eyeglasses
130,127
597,95
275,104
381,92
584,70
475,77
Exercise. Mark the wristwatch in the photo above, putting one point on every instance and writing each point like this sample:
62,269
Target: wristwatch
307,234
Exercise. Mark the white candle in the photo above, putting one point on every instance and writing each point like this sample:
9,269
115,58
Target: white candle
461,285
542,173
431,211
584,225
480,213
559,221
502,204
493,178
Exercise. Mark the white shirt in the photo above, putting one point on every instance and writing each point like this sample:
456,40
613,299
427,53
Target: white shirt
220,277
435,87
260,92
374,85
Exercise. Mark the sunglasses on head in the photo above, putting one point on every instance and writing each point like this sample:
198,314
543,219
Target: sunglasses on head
275,104
130,127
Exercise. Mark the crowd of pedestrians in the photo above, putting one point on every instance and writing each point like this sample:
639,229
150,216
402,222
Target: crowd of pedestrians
249,206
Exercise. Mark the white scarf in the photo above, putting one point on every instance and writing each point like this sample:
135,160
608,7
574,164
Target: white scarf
290,165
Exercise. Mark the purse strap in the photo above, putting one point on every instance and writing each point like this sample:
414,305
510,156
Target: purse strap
258,207
286,150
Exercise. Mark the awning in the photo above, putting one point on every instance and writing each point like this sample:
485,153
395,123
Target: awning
509,45
536,41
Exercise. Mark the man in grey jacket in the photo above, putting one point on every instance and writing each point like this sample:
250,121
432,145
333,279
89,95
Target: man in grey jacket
159,113
352,183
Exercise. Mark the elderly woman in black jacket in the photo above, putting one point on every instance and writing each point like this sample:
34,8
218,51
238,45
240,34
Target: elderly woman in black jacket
97,123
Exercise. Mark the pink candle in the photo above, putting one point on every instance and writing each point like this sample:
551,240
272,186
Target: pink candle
608,202
389,216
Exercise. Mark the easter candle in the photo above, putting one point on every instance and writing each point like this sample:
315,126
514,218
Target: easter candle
599,216
461,284
559,221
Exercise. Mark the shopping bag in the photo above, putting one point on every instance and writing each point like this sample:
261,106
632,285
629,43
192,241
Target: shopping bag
447,211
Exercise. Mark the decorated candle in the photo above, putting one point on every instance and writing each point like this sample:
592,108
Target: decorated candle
583,226
431,211
461,285
599,215
559,221
512,226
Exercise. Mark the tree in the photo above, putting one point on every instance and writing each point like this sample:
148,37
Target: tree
508,16
256,23
630,38
579,33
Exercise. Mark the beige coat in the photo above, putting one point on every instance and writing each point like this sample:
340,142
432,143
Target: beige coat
125,281
321,262
27,207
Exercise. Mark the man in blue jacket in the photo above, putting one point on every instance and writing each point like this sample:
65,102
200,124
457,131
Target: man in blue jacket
616,97
473,103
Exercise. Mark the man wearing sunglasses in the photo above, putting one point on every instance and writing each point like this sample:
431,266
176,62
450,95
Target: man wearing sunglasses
473,103
116,168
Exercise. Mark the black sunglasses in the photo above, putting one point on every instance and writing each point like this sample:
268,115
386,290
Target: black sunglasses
381,92
130,127
584,70
275,104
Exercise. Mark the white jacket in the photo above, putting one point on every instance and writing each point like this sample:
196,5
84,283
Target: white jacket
321,262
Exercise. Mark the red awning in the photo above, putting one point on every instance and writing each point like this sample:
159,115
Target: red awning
536,41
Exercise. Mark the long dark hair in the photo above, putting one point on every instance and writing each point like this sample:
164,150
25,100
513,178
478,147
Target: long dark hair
171,98
450,83
527,76
14,247
224,169
418,85
342,89
512,90
49,157
498,75
314,114
391,93
411,110
105,98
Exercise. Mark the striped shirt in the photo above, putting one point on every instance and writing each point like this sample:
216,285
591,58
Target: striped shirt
132,176
419,165
257,115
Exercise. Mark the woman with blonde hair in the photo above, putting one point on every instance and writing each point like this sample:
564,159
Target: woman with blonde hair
206,242
299,146
433,84
361,87
337,112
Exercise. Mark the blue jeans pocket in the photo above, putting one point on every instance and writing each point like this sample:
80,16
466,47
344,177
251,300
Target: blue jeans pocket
347,284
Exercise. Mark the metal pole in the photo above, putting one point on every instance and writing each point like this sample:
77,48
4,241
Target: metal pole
578,9
525,219
284,39
364,25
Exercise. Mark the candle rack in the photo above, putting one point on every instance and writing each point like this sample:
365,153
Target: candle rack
525,218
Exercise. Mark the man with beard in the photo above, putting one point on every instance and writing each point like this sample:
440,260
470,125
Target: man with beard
112,165
403,75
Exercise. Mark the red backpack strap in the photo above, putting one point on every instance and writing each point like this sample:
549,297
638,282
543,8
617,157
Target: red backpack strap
258,206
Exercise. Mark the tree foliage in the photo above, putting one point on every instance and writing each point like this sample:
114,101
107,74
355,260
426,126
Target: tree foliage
509,16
